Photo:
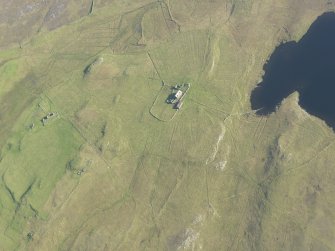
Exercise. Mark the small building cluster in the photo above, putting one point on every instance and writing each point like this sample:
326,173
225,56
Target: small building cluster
179,92
176,98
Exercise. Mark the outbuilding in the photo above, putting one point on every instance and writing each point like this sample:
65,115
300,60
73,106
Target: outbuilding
178,105
178,94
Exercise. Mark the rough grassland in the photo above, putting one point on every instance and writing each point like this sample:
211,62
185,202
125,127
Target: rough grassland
104,174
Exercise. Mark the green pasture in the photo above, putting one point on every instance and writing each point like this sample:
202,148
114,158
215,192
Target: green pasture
105,174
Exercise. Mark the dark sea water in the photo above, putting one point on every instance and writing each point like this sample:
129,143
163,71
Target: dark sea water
307,66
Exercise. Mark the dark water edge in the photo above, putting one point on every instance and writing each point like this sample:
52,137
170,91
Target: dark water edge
307,66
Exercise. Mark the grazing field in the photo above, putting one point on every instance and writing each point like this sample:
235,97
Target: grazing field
104,174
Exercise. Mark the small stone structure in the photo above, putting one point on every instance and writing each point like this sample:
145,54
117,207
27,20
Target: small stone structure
178,105
46,118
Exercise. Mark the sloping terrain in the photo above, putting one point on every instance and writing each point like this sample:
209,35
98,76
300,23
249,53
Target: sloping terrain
19,20
85,166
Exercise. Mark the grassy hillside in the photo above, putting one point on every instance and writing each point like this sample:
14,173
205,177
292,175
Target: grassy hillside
104,174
